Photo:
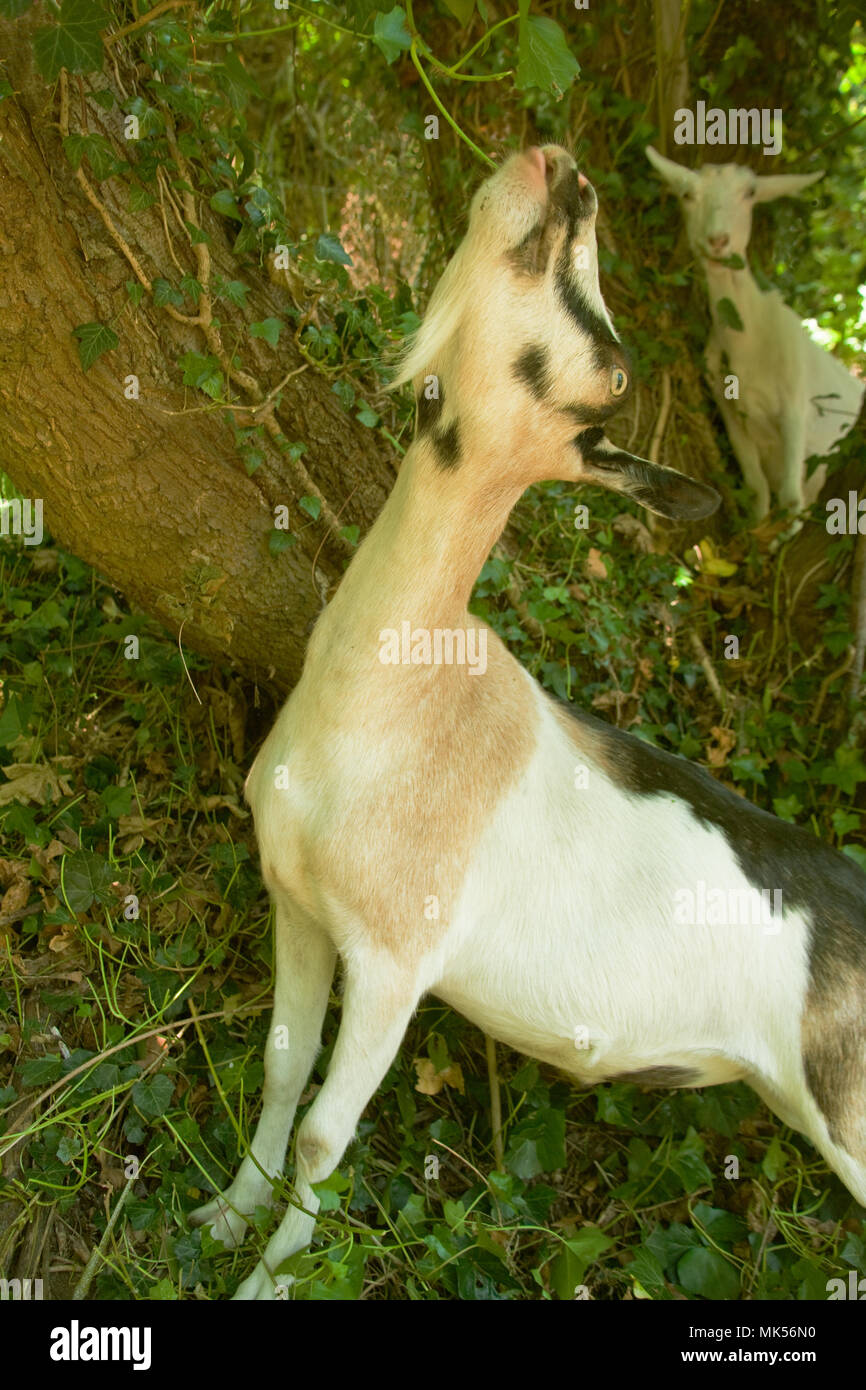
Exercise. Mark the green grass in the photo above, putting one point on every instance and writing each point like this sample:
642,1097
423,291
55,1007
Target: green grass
135,961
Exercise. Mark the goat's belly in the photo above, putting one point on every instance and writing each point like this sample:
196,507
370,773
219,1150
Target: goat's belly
571,944
590,1054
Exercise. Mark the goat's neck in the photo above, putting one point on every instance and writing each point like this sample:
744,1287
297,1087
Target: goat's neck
422,556
739,286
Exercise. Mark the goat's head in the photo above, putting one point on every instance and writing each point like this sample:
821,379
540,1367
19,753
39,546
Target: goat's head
517,365
717,201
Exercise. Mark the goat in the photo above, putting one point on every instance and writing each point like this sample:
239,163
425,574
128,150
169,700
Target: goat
425,821
792,399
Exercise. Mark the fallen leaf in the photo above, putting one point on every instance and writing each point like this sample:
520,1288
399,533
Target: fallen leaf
594,565
717,753
33,782
430,1081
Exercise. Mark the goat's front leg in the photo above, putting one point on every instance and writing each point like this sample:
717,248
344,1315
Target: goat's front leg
749,458
793,431
305,961
379,999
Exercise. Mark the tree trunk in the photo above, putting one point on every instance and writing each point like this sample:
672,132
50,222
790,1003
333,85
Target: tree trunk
152,491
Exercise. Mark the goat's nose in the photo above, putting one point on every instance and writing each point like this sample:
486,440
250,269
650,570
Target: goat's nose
718,243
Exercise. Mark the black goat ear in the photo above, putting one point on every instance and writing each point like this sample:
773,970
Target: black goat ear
661,490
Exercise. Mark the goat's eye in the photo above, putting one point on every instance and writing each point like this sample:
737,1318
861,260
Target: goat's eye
618,381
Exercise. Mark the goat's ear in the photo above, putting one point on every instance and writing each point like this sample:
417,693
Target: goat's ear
770,186
677,175
661,490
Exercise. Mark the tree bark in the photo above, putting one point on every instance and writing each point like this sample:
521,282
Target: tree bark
152,492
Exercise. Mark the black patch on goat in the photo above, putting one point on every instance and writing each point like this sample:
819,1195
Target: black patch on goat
585,315
447,444
429,410
532,368
827,887
659,1076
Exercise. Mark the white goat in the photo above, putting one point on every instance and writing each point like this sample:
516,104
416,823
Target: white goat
795,399
571,889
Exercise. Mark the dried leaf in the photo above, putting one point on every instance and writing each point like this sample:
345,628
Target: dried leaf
594,565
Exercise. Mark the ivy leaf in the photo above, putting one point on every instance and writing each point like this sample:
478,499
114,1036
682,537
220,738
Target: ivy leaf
100,155
330,248
223,202
461,9
165,293
350,534
135,292
74,43
544,58
41,1071
203,373
727,312
312,506
152,1096
391,35
253,459
278,541
269,329
140,198
86,877
707,1273
93,340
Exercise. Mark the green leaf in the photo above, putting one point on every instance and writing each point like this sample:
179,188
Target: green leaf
68,1148
253,459
544,58
165,293
461,9
41,1071
367,417
117,801
140,199
100,155
74,43
350,534
269,329
857,853
152,1096
391,35
727,312
707,1273
575,1258
329,248
223,202
278,541
93,340
15,718
203,373
86,877
312,506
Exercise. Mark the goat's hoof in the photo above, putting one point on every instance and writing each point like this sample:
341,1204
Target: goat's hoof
263,1287
225,1225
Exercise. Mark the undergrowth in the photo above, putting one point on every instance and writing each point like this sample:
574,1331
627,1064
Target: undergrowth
135,958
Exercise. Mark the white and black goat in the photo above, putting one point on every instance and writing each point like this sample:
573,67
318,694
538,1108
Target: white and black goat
448,827
790,399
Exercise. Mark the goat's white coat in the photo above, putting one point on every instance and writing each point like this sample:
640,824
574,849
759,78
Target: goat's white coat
795,399
558,899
